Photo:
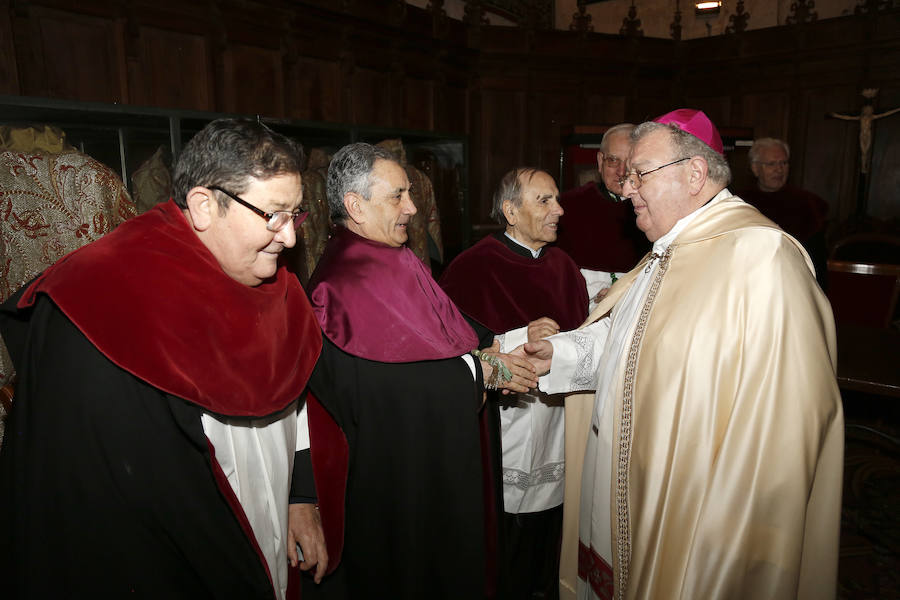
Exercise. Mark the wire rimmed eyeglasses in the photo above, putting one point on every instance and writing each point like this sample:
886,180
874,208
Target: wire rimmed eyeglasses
275,221
636,178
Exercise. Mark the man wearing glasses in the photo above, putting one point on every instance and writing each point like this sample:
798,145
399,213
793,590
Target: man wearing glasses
799,212
714,457
150,447
597,229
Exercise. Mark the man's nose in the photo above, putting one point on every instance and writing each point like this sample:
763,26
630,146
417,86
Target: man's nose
287,235
408,207
557,208
620,169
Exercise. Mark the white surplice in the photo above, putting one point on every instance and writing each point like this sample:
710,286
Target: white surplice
257,457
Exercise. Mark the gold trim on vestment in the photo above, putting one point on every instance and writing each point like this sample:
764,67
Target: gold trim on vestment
623,532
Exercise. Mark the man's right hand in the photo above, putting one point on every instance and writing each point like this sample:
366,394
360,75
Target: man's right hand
539,353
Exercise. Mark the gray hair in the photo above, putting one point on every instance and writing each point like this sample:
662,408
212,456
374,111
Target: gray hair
227,153
687,144
510,189
350,171
767,142
621,128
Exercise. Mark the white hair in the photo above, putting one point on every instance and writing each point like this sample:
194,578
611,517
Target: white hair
767,142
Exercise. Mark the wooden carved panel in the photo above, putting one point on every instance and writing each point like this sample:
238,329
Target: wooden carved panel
450,109
76,57
371,98
501,145
824,159
314,90
717,108
418,104
603,109
175,71
255,81
9,76
766,112
556,110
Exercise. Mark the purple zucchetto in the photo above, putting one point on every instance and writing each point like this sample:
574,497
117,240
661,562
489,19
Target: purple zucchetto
697,124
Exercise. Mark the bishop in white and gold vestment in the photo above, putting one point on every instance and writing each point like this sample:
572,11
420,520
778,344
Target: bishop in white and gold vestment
713,466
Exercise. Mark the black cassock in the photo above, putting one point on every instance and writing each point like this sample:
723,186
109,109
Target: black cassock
106,483
414,501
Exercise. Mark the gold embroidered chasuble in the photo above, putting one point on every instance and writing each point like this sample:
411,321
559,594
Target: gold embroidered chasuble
727,450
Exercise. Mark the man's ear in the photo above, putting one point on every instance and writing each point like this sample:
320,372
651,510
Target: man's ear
698,172
755,168
509,211
200,204
353,204
599,161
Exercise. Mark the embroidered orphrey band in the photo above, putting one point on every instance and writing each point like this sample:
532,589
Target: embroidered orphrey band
623,532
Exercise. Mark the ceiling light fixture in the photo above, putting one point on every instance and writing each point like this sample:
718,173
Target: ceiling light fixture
711,7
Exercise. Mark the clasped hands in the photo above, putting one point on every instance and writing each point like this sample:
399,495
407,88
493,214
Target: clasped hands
528,361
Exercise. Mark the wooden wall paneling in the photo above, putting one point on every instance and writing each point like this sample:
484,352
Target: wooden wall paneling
883,201
603,109
451,108
371,98
717,108
649,99
9,73
766,112
314,90
28,56
558,109
256,82
501,145
78,57
418,104
824,160
175,70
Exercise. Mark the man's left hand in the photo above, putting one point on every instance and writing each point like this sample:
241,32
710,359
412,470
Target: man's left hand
541,328
305,528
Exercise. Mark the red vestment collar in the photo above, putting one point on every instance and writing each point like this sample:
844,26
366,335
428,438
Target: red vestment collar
381,303
154,300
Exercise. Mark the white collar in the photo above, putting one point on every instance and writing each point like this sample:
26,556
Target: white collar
534,253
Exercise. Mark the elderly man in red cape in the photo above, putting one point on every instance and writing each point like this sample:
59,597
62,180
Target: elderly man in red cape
714,457
597,229
521,289
150,447
398,375
799,212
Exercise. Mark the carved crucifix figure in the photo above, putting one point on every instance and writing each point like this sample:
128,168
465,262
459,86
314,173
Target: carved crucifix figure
866,118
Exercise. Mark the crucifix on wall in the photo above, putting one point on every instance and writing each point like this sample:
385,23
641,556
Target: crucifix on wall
866,118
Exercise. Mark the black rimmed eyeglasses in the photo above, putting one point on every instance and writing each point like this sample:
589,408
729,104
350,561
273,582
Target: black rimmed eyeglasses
636,178
275,221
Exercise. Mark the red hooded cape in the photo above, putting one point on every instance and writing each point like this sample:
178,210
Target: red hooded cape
503,290
154,300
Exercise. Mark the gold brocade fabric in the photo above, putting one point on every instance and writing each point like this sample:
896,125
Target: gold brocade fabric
315,231
40,138
51,204
426,222
728,428
152,182
313,234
